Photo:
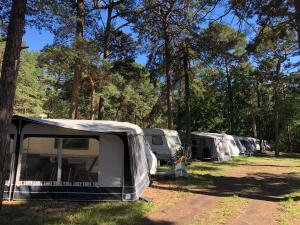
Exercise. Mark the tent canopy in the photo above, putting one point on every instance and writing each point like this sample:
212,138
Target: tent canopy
101,126
76,160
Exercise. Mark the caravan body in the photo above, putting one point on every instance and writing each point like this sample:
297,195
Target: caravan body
164,143
210,146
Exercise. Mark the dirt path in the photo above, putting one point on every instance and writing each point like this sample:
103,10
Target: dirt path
185,211
261,187
258,212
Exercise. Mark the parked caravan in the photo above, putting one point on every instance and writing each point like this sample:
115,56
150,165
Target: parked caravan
211,146
249,143
164,143
235,151
240,146
76,160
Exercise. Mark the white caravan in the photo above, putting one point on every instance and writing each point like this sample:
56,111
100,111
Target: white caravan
241,147
164,143
85,160
249,143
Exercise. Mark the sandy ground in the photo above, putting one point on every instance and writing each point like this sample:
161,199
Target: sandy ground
261,188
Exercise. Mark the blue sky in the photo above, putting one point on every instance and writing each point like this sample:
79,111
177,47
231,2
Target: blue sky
37,40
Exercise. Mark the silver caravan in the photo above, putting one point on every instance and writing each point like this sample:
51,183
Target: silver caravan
164,143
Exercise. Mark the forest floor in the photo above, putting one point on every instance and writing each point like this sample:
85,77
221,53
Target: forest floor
247,190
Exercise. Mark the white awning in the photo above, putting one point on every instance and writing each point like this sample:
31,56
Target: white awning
101,126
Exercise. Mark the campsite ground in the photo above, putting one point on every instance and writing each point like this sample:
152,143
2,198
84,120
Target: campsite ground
247,190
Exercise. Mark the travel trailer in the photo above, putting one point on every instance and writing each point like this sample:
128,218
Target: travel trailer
164,143
249,143
77,160
211,146
240,146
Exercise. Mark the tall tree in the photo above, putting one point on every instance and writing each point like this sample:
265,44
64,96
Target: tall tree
80,9
223,47
297,18
9,74
273,50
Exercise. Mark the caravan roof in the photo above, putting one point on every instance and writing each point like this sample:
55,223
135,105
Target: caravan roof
160,131
101,126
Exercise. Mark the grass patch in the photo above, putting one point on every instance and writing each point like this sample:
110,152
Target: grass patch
67,213
291,212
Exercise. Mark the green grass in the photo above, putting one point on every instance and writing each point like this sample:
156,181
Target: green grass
291,212
63,213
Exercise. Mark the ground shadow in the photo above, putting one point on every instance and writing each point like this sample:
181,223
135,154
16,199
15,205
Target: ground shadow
261,186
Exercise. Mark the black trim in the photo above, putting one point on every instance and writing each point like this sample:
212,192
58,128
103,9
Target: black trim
80,189
128,181
68,196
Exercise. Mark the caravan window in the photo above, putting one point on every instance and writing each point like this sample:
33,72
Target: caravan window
74,143
39,159
80,164
174,139
157,140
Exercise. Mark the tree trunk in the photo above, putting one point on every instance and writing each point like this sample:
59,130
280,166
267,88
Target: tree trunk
297,17
276,108
254,131
259,128
101,108
107,34
92,99
230,98
9,73
289,138
187,95
168,76
78,60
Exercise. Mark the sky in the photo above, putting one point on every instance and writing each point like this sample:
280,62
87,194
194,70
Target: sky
36,40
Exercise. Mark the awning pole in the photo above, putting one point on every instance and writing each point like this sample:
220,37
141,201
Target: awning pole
59,158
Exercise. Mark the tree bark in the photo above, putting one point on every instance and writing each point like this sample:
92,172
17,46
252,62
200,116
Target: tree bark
92,99
297,17
254,130
9,74
78,61
168,76
230,98
276,108
259,127
107,34
101,108
187,95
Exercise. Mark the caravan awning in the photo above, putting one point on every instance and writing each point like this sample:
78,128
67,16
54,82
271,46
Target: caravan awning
101,126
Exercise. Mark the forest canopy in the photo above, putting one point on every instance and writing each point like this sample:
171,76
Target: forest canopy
232,65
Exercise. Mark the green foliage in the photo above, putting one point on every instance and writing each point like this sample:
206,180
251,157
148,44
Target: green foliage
30,93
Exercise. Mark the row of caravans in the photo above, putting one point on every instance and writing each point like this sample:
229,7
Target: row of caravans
94,160
217,147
